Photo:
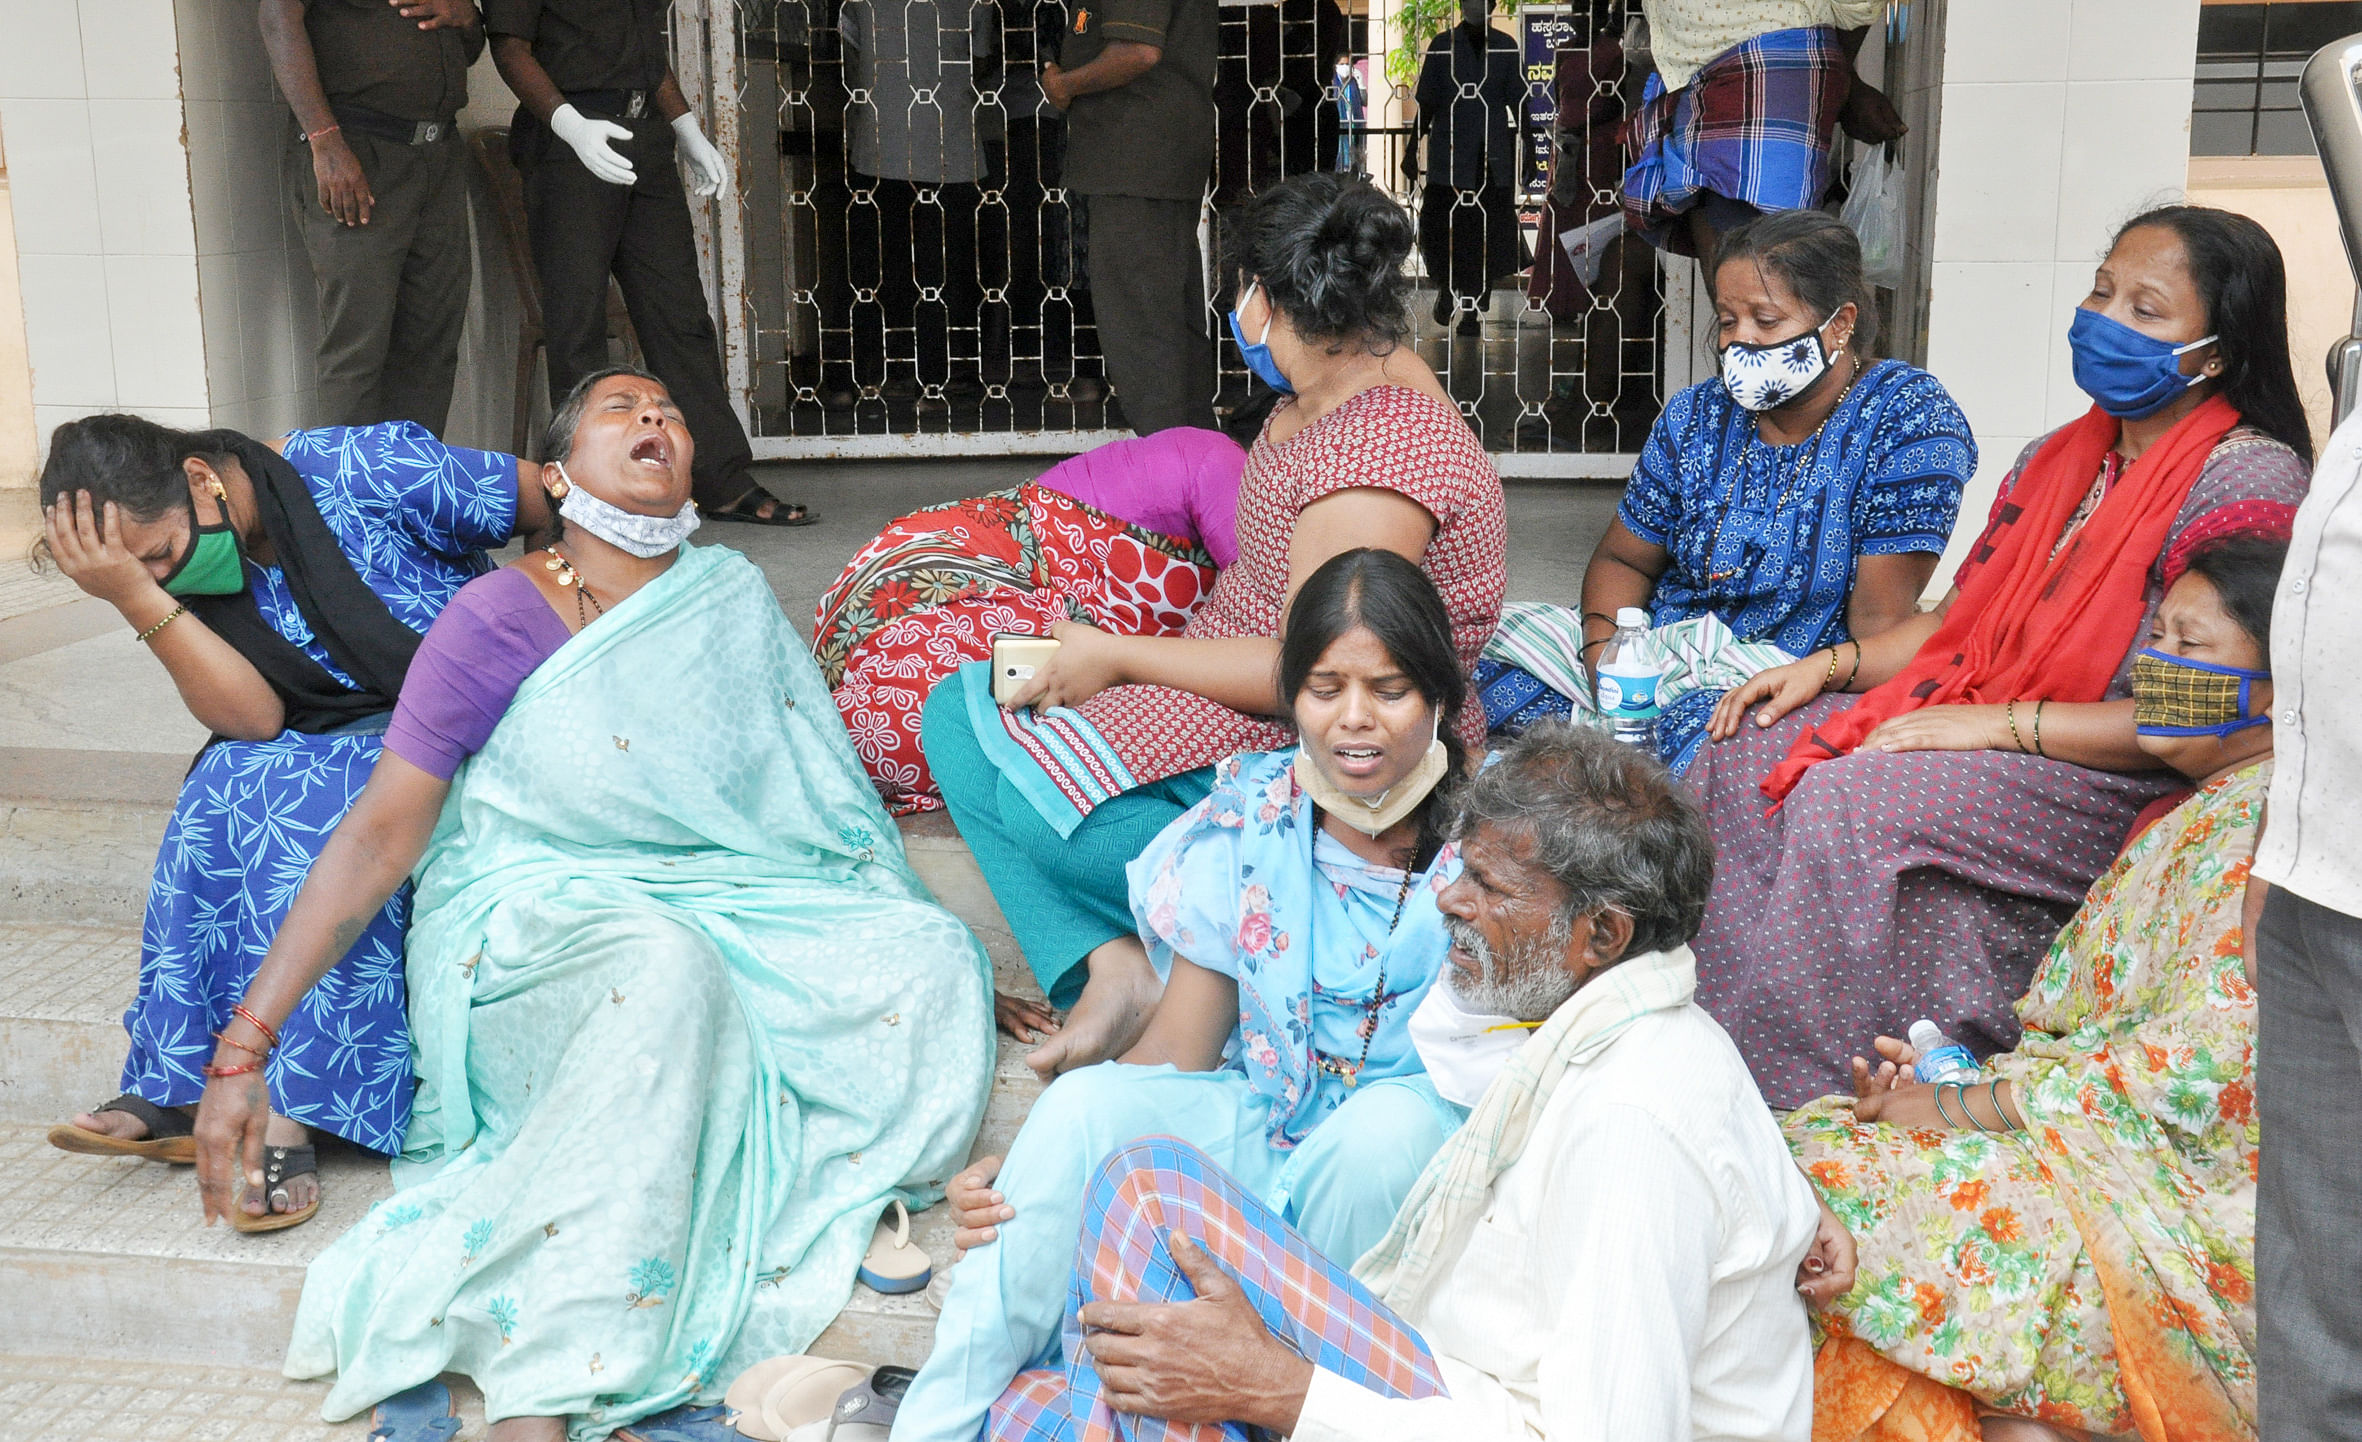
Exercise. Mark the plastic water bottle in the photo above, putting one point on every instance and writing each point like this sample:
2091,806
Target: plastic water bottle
1629,670
1941,1059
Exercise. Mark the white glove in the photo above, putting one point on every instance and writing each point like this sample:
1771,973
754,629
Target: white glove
593,140
705,162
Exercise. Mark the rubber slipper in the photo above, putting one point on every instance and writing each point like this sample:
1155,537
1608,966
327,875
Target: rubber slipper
783,513
279,1163
168,1138
685,1423
801,1399
895,1263
424,1413
745,1397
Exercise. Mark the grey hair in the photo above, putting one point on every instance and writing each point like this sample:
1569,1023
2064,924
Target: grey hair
557,442
1817,257
1609,823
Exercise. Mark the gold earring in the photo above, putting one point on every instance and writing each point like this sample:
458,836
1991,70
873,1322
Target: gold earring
220,492
561,490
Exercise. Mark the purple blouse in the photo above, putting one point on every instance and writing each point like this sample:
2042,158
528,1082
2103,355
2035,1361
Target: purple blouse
467,670
1177,482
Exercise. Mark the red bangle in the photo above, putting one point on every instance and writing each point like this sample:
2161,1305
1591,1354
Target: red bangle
256,1022
253,1051
311,135
221,1071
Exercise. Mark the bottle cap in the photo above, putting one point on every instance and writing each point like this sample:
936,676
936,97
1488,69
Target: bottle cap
1631,616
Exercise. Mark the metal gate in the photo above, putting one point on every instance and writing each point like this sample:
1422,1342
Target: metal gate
901,274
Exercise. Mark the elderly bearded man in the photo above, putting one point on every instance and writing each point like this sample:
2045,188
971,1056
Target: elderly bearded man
1608,1249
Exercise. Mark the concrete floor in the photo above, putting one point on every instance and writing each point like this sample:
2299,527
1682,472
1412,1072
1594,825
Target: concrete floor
73,678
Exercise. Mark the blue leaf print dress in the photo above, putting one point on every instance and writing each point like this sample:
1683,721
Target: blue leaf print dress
414,517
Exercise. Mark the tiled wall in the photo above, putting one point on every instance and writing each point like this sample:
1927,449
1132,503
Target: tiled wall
260,309
2061,119
106,242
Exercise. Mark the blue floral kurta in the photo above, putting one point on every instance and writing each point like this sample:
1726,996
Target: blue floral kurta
414,517
1769,538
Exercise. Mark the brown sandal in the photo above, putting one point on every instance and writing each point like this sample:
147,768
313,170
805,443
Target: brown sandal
170,1134
278,1164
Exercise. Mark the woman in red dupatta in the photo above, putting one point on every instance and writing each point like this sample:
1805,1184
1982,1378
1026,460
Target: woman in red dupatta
1910,853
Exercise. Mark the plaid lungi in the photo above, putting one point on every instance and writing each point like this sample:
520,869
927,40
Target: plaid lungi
1141,1195
1755,123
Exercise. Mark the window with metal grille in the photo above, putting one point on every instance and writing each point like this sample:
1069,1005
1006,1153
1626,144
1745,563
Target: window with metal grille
2249,60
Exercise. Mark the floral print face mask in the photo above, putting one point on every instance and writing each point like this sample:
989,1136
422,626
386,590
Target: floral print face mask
1761,377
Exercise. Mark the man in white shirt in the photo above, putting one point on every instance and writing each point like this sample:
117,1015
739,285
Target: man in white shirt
2307,953
1608,1249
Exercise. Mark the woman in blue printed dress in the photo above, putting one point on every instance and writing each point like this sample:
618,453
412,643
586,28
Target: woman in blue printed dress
284,586
1797,502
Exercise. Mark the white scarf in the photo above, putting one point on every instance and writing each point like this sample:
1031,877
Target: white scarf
1450,1195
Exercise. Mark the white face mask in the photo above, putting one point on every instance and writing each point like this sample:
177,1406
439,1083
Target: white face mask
642,536
1760,377
1464,1050
1372,815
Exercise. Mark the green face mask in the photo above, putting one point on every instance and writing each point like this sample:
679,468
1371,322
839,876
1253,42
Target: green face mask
214,566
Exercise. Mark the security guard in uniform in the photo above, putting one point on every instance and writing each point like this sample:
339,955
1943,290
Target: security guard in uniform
376,178
595,135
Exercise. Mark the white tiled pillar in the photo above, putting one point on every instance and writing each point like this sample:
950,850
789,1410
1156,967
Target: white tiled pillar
106,243
2061,120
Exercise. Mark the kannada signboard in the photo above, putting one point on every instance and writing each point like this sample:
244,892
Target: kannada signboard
1542,30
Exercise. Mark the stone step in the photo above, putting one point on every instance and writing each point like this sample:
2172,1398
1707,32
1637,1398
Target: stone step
109,1256
77,1397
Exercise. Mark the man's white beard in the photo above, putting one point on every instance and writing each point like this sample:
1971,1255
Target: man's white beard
1528,983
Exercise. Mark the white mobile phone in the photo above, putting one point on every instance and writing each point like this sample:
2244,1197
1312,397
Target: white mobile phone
1015,657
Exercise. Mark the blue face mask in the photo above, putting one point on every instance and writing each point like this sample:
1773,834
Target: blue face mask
1258,354
2180,696
2130,375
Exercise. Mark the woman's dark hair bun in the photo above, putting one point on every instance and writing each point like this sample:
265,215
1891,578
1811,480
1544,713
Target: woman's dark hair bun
1329,250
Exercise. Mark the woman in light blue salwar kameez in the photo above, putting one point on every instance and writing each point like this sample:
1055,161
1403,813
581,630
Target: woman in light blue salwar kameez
1293,913
685,1021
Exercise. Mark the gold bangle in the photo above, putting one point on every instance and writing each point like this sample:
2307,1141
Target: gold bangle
1825,680
2009,713
2045,755
169,617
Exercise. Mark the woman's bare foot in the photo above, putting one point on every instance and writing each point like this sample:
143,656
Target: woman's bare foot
528,1429
298,1191
1114,1009
122,1126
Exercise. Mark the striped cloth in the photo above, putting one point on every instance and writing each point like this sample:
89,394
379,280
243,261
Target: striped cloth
1141,1195
1451,1194
1056,759
1701,654
1756,124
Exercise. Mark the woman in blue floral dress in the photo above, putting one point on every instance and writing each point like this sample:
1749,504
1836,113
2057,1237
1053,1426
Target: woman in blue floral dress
284,585
1798,501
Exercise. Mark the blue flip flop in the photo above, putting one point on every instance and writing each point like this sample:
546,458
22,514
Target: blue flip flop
425,1413
685,1423
895,1263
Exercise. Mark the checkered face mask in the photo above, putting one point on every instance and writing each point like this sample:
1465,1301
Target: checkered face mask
2176,696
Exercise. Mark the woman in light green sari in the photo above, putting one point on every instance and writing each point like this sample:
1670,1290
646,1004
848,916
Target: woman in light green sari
685,1020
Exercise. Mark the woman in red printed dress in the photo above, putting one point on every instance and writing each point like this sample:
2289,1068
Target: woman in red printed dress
1116,735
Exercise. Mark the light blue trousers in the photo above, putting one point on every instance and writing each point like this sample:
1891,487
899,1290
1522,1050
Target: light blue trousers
1339,1188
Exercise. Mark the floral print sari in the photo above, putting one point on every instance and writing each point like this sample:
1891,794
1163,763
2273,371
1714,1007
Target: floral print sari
2096,1270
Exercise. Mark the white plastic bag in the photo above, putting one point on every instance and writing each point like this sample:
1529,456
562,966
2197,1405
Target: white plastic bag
1586,246
1874,209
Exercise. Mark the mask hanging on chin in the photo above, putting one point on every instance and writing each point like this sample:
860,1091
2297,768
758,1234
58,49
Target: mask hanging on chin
642,536
1464,1051
1372,816
216,562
